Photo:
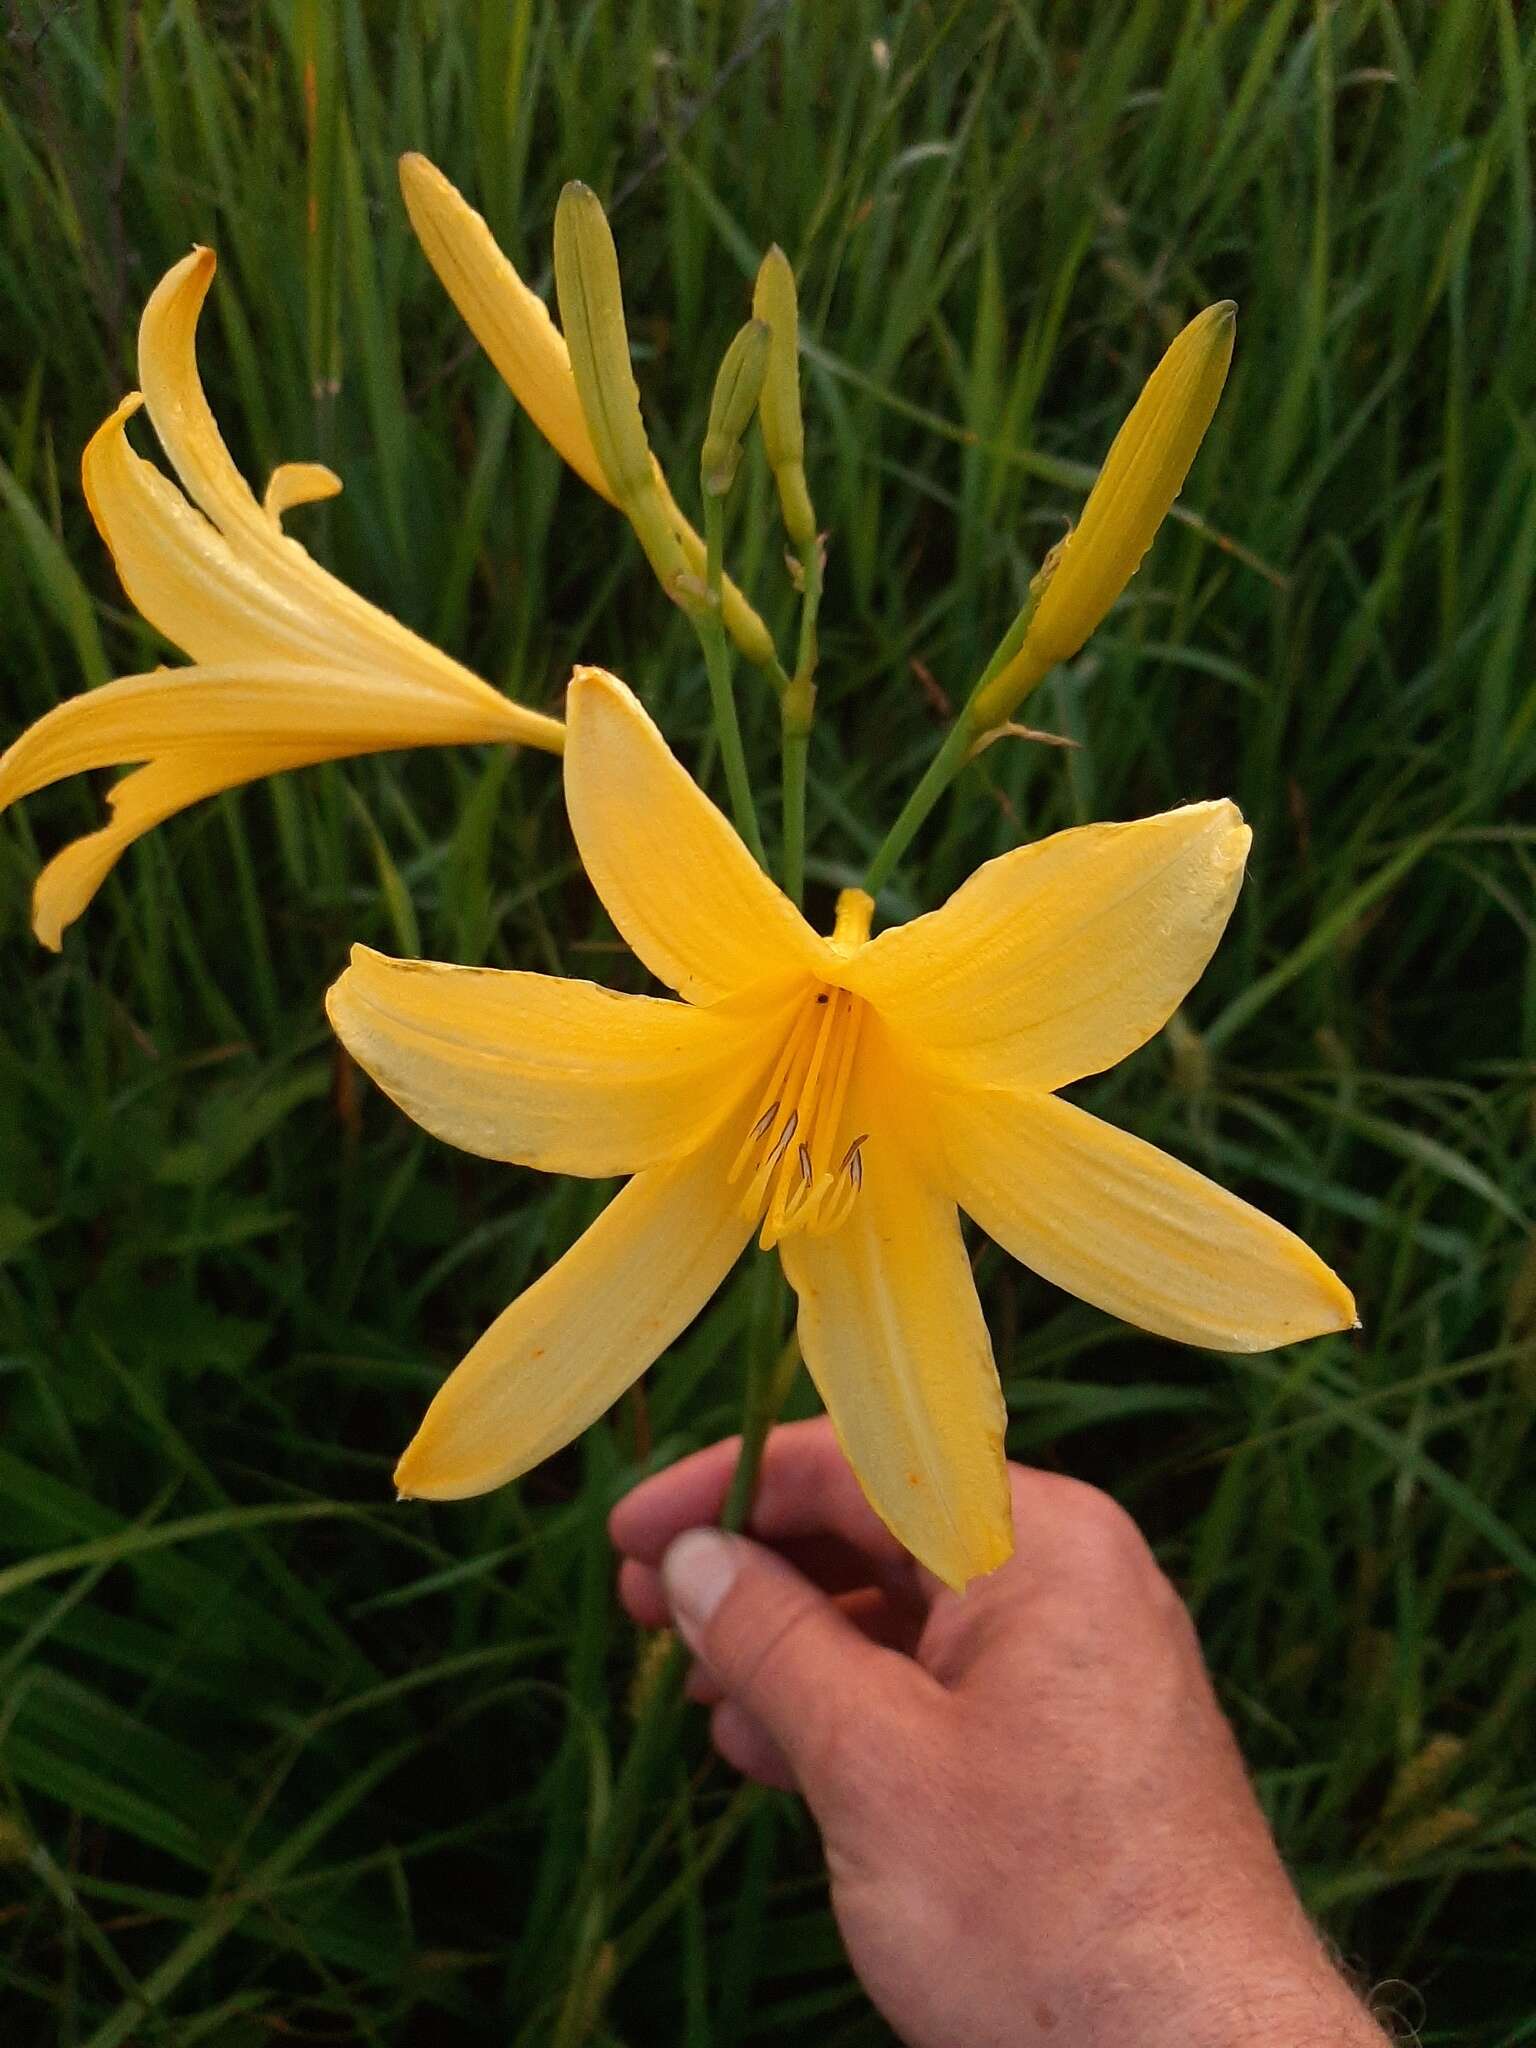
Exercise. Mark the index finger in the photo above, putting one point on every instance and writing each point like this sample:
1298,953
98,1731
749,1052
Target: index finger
806,1492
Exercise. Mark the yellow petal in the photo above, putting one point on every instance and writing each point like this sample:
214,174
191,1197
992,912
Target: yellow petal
298,483
1122,1225
585,1331
1060,958
559,1075
676,880
223,601
894,1338
181,572
294,708
1143,473
138,803
511,323
180,412
212,728
239,588
513,326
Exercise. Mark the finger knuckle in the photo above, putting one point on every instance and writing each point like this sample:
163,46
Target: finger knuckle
1102,1531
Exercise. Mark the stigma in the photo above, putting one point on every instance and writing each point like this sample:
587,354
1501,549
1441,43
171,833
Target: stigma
802,1168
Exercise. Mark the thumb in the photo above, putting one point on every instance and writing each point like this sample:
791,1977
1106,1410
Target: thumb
780,1648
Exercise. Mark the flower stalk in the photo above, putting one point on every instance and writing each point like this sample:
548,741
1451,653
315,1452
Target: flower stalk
774,302
797,715
738,384
722,694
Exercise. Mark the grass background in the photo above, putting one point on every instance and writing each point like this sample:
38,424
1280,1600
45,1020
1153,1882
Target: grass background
280,1761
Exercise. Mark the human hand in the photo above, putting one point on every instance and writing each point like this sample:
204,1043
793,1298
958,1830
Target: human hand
1037,1824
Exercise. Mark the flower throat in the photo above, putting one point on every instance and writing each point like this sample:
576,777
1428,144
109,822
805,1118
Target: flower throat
803,1171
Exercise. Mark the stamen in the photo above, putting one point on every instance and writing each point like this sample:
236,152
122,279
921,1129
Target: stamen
782,1146
809,1089
835,1212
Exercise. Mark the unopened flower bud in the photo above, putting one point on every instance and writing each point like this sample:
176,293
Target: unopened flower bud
737,390
1143,473
592,314
774,301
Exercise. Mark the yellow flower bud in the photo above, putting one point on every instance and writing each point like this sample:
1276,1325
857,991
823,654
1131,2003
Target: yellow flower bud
510,322
1143,473
737,389
592,314
774,301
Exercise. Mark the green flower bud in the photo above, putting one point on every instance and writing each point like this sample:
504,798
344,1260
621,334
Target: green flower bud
737,390
774,301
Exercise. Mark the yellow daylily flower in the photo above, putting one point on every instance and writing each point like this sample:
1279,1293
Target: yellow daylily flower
844,1098
513,325
289,666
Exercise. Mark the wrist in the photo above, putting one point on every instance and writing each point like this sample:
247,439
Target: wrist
1179,1995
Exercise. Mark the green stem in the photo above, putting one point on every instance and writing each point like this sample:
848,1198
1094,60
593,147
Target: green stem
810,607
770,1373
797,712
767,1385
940,773
717,662
952,756
796,743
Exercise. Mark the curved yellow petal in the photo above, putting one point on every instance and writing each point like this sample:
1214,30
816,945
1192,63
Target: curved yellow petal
244,588
894,1338
559,1075
298,483
511,323
568,1347
1143,473
181,414
179,570
1060,958
205,729
1130,1229
138,803
677,881
223,601
294,708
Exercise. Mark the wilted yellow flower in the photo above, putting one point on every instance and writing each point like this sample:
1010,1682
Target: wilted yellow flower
844,1098
290,666
513,326
1143,473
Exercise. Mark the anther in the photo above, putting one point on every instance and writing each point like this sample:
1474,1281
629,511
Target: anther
805,1164
781,1145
